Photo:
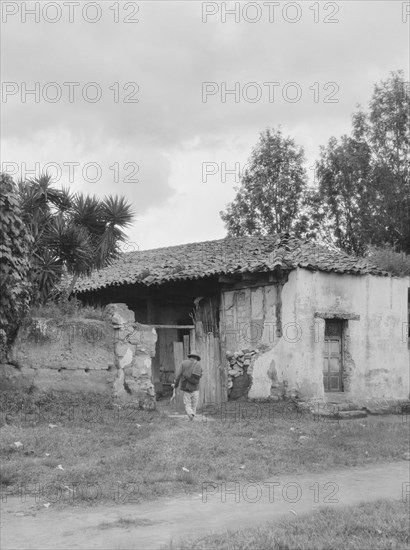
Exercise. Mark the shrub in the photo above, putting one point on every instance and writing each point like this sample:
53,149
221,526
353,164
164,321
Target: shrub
15,242
386,257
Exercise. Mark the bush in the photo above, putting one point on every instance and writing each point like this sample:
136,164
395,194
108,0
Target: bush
386,257
69,308
15,242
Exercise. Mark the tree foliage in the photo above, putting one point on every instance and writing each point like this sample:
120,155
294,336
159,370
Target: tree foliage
15,246
271,194
387,258
72,233
345,204
363,196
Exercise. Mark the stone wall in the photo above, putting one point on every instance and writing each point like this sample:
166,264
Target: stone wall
134,348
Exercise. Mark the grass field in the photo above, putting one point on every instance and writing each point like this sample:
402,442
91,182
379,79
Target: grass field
96,452
380,525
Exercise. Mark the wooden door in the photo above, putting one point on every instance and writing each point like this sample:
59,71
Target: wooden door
178,403
333,357
213,385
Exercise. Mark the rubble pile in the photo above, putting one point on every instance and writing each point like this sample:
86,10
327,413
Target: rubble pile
240,363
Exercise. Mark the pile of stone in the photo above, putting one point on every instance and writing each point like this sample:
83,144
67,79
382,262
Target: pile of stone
240,363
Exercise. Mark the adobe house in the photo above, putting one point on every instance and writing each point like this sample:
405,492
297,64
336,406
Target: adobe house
290,315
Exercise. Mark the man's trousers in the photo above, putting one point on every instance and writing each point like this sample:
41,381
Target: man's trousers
190,402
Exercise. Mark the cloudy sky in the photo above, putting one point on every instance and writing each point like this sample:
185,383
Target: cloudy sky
133,97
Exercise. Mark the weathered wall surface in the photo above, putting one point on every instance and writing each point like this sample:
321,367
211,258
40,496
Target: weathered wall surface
276,371
377,358
71,355
111,357
250,317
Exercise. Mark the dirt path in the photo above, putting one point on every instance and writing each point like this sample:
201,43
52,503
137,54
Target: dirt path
148,526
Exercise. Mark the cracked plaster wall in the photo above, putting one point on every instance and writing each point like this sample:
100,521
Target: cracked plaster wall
376,354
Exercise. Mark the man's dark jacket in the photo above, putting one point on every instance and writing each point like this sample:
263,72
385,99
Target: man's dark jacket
190,372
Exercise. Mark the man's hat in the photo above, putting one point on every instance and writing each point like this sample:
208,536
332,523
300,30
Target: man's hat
194,354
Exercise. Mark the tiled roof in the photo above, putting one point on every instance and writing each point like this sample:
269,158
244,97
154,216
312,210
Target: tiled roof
225,256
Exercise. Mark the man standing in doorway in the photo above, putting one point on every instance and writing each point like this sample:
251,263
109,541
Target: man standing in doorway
189,375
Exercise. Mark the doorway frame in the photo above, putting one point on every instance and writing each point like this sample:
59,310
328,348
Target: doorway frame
340,336
191,328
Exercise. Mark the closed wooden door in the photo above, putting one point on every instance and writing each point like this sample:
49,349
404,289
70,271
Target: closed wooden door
178,403
212,385
333,358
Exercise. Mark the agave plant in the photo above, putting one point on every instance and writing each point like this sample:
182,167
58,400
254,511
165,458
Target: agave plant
75,233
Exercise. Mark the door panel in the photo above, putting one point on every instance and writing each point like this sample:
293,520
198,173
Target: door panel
334,364
332,358
212,385
178,353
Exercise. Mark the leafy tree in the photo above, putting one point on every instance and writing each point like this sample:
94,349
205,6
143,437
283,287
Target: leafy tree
363,196
387,258
386,130
272,191
15,246
345,203
72,233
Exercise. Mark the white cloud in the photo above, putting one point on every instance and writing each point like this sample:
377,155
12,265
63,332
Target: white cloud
171,131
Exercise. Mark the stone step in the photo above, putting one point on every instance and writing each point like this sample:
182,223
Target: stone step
335,397
341,414
334,408
346,406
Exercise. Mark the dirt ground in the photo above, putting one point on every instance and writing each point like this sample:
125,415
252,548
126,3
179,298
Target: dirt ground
30,525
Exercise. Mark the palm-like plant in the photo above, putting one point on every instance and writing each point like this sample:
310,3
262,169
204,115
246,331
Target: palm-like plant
103,222
71,232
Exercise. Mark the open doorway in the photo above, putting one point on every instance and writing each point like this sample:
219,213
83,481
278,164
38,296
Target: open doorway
174,342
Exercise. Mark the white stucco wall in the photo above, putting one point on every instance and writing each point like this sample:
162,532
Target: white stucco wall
377,342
